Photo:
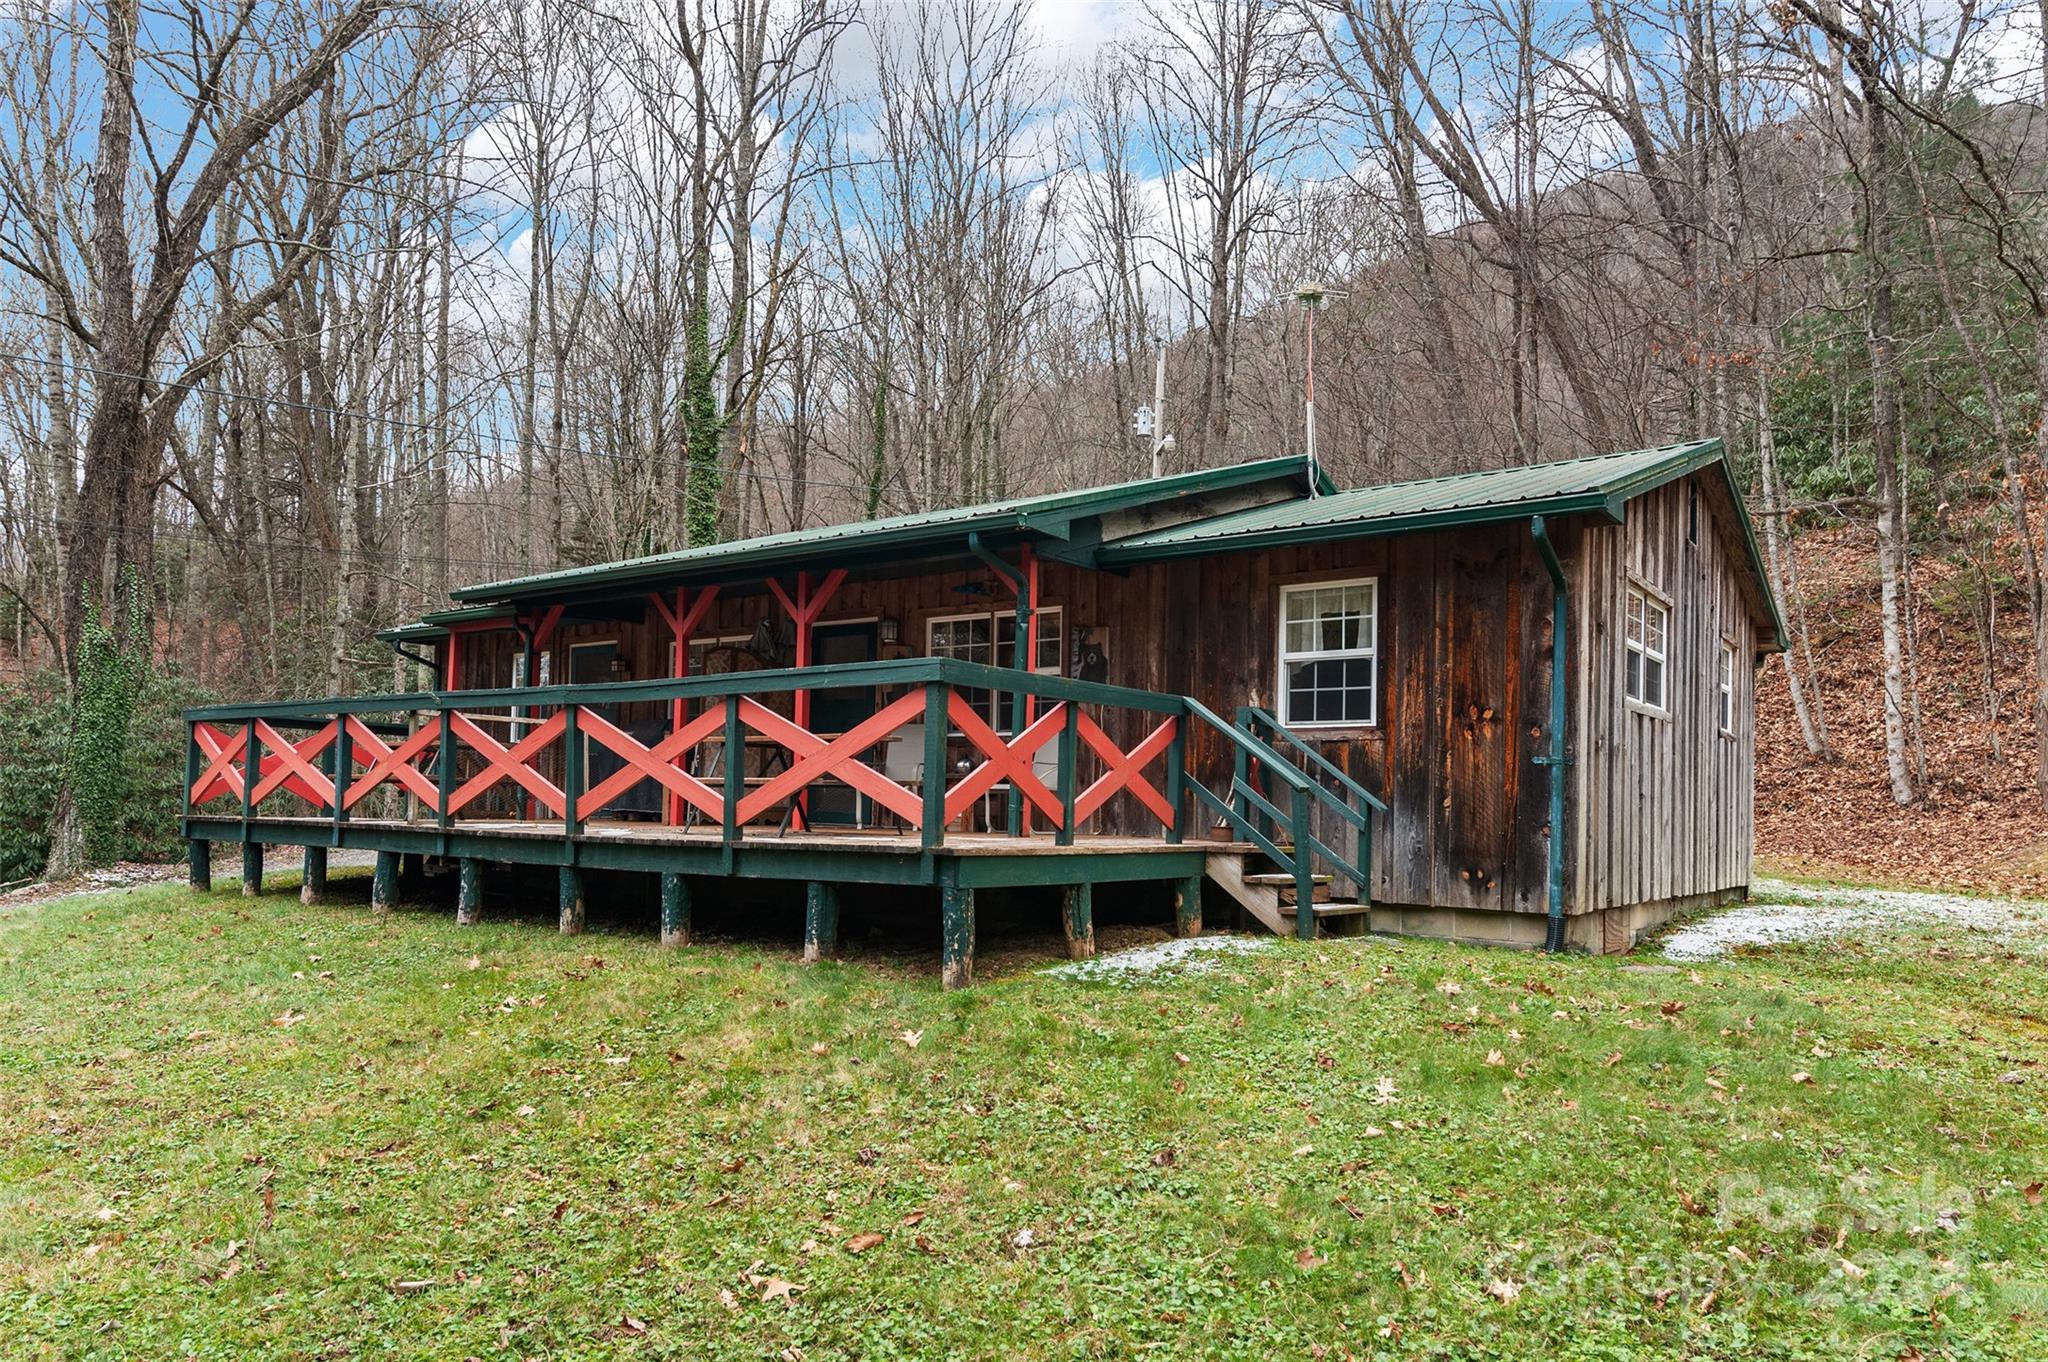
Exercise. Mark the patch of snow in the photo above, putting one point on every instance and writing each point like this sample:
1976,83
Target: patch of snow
1814,913
1183,956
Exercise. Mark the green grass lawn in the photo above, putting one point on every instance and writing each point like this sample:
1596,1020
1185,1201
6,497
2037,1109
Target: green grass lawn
234,1129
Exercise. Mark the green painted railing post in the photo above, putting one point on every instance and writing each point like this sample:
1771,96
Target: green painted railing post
1304,867
933,831
344,768
1070,744
191,763
444,777
1176,776
1241,779
572,772
252,771
735,778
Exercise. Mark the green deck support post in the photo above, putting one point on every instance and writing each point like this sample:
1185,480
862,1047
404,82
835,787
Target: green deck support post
384,883
821,921
199,866
1187,906
252,869
1077,916
675,909
313,882
956,940
572,900
469,893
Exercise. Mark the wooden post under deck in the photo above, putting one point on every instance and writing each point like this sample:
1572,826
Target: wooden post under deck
675,910
384,883
1187,906
313,882
572,900
821,921
252,869
1077,915
199,862
956,940
469,893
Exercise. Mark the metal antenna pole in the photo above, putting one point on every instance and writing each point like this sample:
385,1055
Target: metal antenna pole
1159,408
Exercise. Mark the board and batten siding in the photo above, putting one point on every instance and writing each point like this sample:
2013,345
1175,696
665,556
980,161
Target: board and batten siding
1664,805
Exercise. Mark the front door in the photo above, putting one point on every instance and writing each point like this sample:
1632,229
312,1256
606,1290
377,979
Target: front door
838,709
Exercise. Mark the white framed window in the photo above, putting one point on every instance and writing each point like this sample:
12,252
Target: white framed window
1649,629
1724,689
990,638
1329,654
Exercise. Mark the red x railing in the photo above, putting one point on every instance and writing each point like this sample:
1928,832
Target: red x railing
1065,767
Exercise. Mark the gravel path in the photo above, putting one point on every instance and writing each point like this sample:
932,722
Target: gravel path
1802,913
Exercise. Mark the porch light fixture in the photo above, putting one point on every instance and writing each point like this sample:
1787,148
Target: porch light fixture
888,630
618,667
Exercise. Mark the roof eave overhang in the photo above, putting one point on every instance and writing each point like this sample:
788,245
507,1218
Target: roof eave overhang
1590,503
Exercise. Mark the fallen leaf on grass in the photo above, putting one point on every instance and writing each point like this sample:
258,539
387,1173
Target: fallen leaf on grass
1802,1077
1686,1200
1504,1289
915,1217
288,1018
728,1300
2032,1192
821,1048
1611,1060
1384,1091
1181,1059
1495,1059
1164,1158
1307,1260
412,1288
775,1288
910,1038
861,1243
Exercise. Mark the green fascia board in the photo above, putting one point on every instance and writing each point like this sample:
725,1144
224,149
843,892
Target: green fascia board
1052,516
1600,485
435,623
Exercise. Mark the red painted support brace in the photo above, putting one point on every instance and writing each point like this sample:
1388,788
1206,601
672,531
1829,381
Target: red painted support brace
682,623
803,613
451,661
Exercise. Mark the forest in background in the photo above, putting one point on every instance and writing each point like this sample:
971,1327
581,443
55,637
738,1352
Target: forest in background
310,312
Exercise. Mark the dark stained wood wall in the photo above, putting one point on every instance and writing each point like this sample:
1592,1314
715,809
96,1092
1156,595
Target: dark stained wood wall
1464,709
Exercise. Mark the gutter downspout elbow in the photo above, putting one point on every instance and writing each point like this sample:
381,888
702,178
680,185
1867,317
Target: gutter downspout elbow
1557,759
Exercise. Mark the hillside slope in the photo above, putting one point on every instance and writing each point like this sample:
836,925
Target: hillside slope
1979,822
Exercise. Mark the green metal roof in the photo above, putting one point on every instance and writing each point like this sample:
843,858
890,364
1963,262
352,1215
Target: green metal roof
1051,516
1601,484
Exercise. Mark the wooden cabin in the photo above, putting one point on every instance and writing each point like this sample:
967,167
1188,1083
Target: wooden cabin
1513,706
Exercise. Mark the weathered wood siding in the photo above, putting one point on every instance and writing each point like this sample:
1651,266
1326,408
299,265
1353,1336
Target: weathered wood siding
1664,803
